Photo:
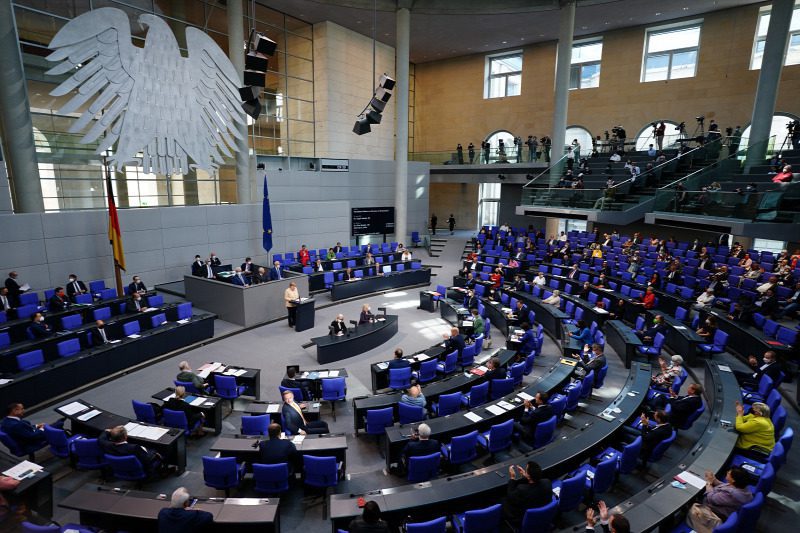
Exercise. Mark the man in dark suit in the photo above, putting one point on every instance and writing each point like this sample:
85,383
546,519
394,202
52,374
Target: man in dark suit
594,360
239,279
136,304
470,301
39,328
573,273
651,436
519,283
338,327
529,491
337,248
5,300
198,267
179,517
138,286
398,361
521,311
277,450
470,283
75,287
275,271
27,436
296,422
215,261
261,276
684,406
495,371
291,383
114,441
421,444
100,335
248,268
14,289
769,366
649,333
454,342
58,302
535,413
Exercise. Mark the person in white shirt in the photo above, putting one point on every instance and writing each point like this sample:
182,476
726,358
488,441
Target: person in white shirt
562,237
540,280
554,299
770,284
406,256
505,227
706,299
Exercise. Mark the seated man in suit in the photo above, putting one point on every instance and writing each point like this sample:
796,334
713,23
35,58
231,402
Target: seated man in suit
180,517
275,272
535,413
27,436
198,267
651,436
647,334
769,366
296,422
682,406
137,286
470,301
5,300
421,444
114,441
75,287
215,261
261,276
100,335
338,327
454,342
136,304
494,371
58,302
239,279
186,375
593,360
291,383
248,268
39,328
519,283
531,490
276,450
399,361
178,403
521,311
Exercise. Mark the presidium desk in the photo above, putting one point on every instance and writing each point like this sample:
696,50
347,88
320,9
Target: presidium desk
245,306
358,340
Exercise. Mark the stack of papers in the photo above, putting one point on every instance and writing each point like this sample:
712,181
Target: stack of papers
422,357
495,409
724,368
4,381
198,401
298,439
525,396
183,321
73,408
505,405
383,366
23,470
88,416
323,374
333,373
473,417
273,408
687,477
234,372
145,432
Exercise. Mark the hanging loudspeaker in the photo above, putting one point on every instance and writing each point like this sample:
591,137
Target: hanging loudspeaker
361,127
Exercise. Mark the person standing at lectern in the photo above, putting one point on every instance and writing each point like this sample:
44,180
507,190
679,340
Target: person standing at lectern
338,327
290,296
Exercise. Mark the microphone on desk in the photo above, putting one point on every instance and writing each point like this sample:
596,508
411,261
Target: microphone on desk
383,309
355,326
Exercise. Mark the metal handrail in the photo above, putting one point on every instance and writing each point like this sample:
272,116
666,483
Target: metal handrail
539,175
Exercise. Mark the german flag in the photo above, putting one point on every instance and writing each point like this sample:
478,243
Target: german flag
114,233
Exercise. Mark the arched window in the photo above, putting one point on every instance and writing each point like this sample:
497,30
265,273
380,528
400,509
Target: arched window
509,155
645,135
778,130
583,136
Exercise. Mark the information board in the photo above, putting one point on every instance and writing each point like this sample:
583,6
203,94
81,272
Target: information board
372,220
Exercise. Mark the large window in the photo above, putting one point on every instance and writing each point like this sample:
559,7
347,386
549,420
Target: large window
585,70
488,204
584,138
778,133
792,51
567,224
671,52
503,75
768,245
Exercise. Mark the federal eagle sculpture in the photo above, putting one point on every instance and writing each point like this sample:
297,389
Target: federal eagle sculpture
150,101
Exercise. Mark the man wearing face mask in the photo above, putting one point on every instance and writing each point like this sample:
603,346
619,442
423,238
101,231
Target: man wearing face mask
215,261
338,327
137,286
75,287
100,335
39,328
136,303
58,302
198,267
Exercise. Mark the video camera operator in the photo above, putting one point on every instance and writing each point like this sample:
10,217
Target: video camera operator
620,134
793,129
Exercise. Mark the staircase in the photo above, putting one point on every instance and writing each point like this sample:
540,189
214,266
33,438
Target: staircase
437,244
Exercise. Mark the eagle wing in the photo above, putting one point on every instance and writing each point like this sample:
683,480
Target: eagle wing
97,47
215,107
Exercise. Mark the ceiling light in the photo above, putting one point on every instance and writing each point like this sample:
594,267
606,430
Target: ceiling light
505,42
658,14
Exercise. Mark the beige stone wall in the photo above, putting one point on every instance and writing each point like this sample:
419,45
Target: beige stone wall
461,199
450,107
343,85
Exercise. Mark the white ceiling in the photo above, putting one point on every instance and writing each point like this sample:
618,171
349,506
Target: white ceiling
449,28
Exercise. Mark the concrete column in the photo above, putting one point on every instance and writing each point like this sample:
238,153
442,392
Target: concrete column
16,127
403,31
769,77
563,60
236,54
121,178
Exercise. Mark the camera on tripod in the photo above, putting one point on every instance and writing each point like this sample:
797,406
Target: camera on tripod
615,130
681,126
793,126
700,119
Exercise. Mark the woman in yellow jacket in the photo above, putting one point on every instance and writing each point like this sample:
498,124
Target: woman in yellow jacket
756,432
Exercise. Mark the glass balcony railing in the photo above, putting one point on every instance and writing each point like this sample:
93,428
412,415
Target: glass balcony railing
510,155
718,203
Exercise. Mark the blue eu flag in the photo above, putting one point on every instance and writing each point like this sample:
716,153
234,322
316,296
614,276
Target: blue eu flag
266,219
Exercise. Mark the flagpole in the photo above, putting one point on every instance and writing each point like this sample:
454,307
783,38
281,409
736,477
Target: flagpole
117,271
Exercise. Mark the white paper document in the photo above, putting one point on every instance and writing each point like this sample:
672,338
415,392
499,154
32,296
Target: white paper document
298,439
525,396
724,368
333,374
473,417
72,408
691,479
134,336
88,416
240,372
4,381
323,374
495,409
183,321
114,341
153,433
422,357
23,470
273,408
131,426
200,400
505,405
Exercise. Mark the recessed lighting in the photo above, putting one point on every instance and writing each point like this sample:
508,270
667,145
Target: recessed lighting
658,14
606,23
522,38
584,27
686,9
505,42
358,22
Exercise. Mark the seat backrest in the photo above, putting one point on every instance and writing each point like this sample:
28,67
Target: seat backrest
88,453
770,328
786,336
101,313
437,525
604,474
478,394
30,360
501,387
748,514
68,347
333,388
661,447
271,479
155,300
226,386
131,328
71,321
720,339
378,419
144,412
399,378
544,432
5,339
423,467
320,471
571,492
786,439
630,456
559,404
487,519
449,403
126,467
184,310
573,392
26,311
255,425
220,472
586,385
464,446
500,436
28,527
427,370
541,518
175,419
409,414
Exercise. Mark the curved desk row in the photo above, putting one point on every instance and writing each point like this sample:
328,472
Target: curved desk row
380,371
316,280
108,508
393,280
365,337
55,378
457,382
477,488
246,447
